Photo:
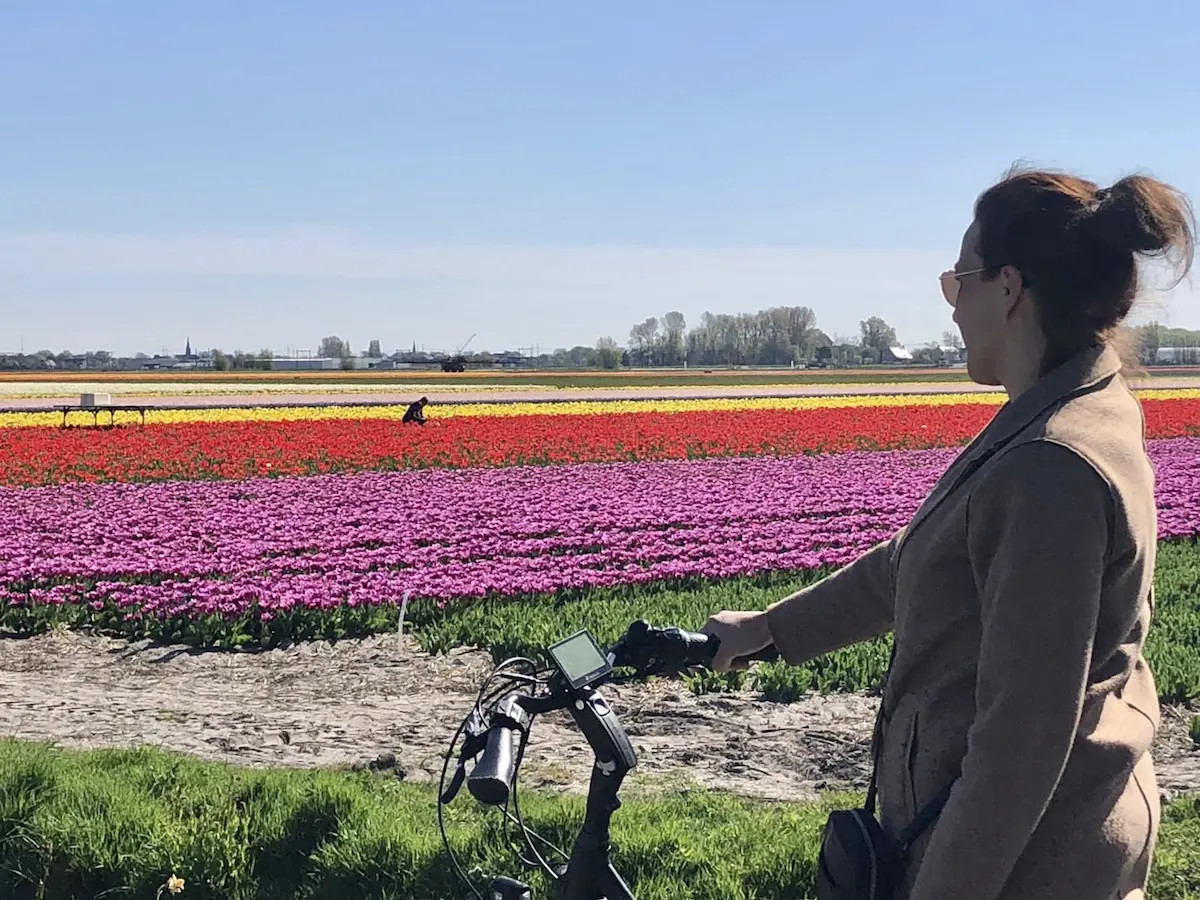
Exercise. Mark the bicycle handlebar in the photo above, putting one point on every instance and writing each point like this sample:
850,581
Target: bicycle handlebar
497,737
643,647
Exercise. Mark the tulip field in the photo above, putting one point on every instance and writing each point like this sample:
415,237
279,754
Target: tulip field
216,443
502,524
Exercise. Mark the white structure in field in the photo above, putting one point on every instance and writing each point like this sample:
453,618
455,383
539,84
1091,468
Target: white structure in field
1178,356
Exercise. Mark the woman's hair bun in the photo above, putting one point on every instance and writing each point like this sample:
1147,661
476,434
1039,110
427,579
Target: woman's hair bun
1140,215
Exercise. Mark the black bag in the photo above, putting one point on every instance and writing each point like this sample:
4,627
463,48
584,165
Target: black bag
858,860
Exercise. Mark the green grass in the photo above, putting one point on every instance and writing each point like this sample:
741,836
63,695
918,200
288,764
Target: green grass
525,625
507,628
522,627
118,823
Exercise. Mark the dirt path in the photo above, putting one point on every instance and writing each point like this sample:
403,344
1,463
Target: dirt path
323,705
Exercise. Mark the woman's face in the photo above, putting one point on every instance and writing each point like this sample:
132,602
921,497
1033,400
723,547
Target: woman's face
981,309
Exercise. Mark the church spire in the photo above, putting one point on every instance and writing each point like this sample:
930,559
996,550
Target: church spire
188,351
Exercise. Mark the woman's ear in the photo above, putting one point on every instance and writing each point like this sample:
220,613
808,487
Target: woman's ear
1013,285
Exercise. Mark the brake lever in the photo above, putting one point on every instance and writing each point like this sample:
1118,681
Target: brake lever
456,783
475,743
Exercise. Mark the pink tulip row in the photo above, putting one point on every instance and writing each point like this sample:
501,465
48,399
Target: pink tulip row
200,548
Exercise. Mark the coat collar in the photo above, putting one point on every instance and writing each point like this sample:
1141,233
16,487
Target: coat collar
1089,370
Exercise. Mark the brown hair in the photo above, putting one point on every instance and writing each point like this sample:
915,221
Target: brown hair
1077,247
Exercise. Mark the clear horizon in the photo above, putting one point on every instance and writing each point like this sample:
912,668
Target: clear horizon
540,175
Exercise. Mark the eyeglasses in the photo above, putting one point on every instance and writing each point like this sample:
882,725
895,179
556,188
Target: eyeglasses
951,284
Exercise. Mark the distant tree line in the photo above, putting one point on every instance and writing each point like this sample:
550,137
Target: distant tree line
778,336
48,359
786,335
261,361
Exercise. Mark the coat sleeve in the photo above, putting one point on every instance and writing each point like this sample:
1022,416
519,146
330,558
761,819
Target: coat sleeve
851,605
1038,533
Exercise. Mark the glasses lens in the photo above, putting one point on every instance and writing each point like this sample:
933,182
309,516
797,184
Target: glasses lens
950,287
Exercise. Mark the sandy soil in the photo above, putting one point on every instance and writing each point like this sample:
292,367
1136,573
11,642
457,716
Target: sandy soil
349,703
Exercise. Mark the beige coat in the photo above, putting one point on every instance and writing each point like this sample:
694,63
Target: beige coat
1019,595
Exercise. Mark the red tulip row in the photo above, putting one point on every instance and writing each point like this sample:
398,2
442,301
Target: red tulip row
35,456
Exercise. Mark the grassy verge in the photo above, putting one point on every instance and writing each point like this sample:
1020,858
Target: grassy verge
508,627
118,824
525,625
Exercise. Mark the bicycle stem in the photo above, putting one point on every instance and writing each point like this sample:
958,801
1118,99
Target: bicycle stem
590,874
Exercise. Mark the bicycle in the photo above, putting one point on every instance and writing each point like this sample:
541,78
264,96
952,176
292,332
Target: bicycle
499,724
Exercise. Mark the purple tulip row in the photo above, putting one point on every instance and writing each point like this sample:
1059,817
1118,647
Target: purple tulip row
218,547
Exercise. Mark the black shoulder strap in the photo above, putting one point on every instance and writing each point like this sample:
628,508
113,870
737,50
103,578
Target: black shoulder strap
925,817
877,737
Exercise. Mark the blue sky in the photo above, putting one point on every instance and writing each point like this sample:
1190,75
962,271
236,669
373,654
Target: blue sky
261,174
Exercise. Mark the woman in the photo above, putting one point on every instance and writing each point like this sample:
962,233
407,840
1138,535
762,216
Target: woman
1020,593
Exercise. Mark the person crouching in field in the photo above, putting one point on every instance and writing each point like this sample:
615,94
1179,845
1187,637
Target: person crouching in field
415,412
1019,712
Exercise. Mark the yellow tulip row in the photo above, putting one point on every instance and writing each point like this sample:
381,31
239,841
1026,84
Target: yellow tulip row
601,407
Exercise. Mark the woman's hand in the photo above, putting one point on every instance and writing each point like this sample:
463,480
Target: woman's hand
741,634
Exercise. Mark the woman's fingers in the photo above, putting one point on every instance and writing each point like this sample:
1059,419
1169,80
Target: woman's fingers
741,634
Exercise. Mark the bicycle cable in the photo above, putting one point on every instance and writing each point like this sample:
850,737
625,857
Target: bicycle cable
481,701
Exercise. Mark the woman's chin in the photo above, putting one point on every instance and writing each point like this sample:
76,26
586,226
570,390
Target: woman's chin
979,376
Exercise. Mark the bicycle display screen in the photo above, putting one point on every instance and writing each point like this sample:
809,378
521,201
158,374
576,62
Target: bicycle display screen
580,659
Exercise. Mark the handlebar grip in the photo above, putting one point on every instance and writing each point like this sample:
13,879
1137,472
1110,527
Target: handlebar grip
491,779
669,649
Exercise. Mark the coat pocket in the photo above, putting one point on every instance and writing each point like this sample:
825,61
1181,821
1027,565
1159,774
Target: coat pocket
912,797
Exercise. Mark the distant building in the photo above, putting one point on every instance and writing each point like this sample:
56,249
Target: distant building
511,360
292,364
897,354
159,362
1176,356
